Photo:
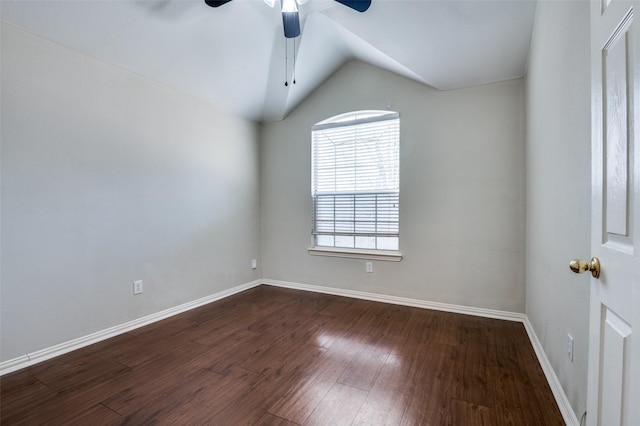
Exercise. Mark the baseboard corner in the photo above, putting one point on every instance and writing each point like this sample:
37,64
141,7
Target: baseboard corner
564,405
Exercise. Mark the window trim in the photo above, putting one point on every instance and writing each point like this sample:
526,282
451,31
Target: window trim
331,124
386,255
334,122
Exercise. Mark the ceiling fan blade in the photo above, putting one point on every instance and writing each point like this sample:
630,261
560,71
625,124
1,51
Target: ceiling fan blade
216,3
291,24
359,5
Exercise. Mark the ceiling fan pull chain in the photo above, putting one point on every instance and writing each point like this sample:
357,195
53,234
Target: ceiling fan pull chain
294,61
286,62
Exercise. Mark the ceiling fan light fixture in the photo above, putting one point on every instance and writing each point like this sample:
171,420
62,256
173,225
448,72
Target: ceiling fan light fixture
291,24
290,18
289,6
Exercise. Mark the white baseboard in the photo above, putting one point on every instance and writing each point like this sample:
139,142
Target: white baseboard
63,348
558,393
458,309
53,351
564,405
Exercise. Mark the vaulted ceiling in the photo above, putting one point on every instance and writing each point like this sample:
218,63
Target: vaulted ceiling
235,56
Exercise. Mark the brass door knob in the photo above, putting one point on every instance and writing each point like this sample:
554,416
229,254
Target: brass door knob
579,266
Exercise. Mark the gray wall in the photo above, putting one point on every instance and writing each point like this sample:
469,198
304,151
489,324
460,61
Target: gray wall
108,178
558,188
462,203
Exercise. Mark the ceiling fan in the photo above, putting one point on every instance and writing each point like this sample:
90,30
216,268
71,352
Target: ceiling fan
290,16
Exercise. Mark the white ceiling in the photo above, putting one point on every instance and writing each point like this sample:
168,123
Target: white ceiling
234,56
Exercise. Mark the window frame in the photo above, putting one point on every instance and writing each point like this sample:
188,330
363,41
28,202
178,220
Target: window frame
354,118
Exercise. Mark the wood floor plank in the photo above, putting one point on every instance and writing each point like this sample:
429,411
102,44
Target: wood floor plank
100,351
151,346
275,356
234,350
23,394
337,306
284,352
431,386
507,387
510,417
363,371
386,401
471,375
96,415
256,399
338,407
270,420
159,406
469,414
394,323
304,395
417,335
155,377
58,407
79,372
210,400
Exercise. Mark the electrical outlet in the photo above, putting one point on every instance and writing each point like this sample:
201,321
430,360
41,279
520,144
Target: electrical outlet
570,347
369,267
254,263
137,287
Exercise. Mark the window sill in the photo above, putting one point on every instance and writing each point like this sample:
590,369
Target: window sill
391,256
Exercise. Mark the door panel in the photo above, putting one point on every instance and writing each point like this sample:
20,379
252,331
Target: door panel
615,58
615,346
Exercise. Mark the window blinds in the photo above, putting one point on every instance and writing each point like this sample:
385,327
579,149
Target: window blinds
355,182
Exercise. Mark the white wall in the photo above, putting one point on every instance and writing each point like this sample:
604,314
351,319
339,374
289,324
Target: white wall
558,188
108,178
462,203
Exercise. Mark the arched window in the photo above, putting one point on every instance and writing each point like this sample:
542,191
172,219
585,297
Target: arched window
356,181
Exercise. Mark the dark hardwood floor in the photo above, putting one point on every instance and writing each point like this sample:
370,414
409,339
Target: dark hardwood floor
272,356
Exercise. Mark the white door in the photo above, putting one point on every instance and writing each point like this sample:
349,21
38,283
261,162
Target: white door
614,342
